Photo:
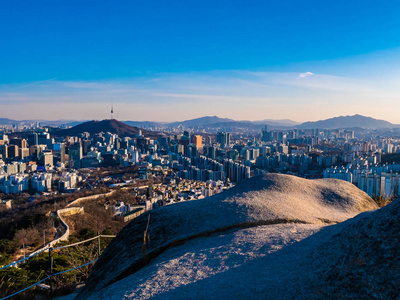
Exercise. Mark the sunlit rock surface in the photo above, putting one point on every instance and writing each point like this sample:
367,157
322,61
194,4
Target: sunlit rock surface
251,241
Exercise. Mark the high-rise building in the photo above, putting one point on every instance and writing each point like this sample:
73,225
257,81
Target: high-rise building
254,153
164,141
4,138
86,146
23,152
4,151
224,139
282,148
33,139
35,151
186,135
117,143
183,144
43,138
75,155
21,143
13,151
197,140
45,159
265,134
59,152
211,152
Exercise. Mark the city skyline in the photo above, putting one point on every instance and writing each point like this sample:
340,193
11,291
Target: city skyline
199,149
171,62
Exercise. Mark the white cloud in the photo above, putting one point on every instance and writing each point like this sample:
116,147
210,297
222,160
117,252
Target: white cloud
39,82
302,75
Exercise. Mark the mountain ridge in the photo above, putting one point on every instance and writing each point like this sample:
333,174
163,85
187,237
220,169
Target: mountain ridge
207,120
347,122
108,125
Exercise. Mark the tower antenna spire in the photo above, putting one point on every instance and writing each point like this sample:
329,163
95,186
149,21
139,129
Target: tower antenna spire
112,112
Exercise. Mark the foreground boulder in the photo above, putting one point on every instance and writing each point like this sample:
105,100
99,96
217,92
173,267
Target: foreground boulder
266,219
362,259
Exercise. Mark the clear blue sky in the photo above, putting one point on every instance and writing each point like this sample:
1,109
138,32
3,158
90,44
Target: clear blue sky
128,42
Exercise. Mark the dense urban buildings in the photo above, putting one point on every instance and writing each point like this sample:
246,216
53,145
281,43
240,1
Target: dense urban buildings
40,162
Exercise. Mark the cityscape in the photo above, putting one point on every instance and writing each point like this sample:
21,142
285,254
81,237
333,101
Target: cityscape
34,161
199,150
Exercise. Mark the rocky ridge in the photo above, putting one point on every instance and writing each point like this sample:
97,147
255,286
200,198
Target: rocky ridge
269,202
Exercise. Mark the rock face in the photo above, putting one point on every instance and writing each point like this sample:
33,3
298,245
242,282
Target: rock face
362,260
212,245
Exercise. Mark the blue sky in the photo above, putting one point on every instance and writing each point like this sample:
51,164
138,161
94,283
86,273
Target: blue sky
174,60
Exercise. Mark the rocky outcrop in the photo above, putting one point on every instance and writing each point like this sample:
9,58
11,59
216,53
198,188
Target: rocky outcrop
362,260
266,200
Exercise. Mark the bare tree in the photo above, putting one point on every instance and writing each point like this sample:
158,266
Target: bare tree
81,255
27,236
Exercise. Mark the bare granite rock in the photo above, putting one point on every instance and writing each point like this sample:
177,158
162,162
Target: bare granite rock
268,201
362,260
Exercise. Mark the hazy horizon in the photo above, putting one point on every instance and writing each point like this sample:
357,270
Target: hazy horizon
175,121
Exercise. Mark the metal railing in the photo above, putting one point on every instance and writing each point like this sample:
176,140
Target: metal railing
98,237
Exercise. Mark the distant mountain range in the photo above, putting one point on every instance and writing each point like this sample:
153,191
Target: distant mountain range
217,123
348,122
283,122
200,121
205,121
214,122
